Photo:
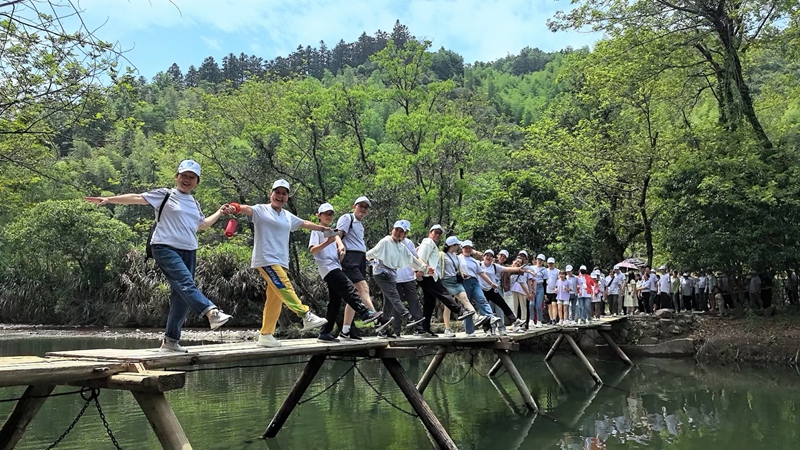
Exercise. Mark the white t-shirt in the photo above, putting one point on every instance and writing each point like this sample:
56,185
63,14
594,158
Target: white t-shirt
429,254
407,274
180,219
552,280
328,258
519,280
471,266
452,264
353,239
665,284
272,230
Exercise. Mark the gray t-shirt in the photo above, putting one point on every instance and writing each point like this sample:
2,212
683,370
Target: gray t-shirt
353,239
180,219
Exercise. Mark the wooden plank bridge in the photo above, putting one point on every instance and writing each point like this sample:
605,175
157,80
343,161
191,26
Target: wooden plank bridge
141,372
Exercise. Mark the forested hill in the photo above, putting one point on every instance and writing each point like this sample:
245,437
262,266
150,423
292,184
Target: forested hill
668,142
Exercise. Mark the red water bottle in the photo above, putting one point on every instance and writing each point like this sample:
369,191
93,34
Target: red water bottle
230,229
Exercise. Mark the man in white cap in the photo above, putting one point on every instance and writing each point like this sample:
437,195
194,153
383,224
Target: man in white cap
354,263
431,284
327,250
272,227
389,255
407,282
551,286
173,244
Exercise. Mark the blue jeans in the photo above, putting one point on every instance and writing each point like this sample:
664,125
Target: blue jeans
585,307
573,307
475,293
178,267
536,304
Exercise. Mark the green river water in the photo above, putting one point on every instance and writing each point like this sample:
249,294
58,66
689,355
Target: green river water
660,404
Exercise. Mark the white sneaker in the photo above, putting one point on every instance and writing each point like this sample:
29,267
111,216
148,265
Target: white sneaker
471,335
449,332
531,324
516,329
267,340
218,318
169,346
519,323
538,325
311,321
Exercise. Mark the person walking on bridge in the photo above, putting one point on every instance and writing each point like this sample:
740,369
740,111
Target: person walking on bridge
272,226
174,247
327,250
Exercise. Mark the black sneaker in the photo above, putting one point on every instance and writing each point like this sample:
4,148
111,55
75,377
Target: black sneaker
411,321
464,314
481,320
327,338
384,322
430,334
370,316
419,333
351,335
385,335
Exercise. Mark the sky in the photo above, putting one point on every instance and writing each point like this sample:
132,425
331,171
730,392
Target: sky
157,33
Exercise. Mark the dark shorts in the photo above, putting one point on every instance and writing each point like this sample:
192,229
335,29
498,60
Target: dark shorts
354,265
550,298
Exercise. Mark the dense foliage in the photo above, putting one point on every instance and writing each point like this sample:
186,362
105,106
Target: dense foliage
675,139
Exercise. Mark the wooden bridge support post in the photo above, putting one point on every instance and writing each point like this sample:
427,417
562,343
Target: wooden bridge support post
517,379
23,413
495,368
299,388
432,424
555,346
616,348
162,418
431,370
582,358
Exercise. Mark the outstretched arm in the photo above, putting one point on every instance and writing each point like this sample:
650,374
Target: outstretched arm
124,199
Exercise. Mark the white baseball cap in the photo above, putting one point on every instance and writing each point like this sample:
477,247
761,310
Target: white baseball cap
504,253
325,207
406,225
400,224
466,243
189,165
568,268
582,268
551,260
281,183
523,252
662,268
488,251
540,256
362,199
436,227
452,240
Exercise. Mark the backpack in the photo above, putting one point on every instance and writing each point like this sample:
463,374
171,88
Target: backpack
148,249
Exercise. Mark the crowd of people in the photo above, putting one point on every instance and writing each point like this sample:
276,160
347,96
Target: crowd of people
486,290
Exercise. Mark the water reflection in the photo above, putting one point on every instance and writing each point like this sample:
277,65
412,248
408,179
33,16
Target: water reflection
658,404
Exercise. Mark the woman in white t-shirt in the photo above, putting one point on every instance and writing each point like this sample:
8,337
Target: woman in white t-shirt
174,247
272,226
452,267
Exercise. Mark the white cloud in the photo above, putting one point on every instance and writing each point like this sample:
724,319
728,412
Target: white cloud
477,29
214,44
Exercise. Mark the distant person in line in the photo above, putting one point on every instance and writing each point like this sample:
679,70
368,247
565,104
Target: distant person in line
597,297
327,251
272,226
391,254
586,292
562,295
572,308
536,309
702,291
432,288
676,290
495,294
665,288
174,247
522,294
354,263
754,288
630,299
551,290
473,271
687,291
792,284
